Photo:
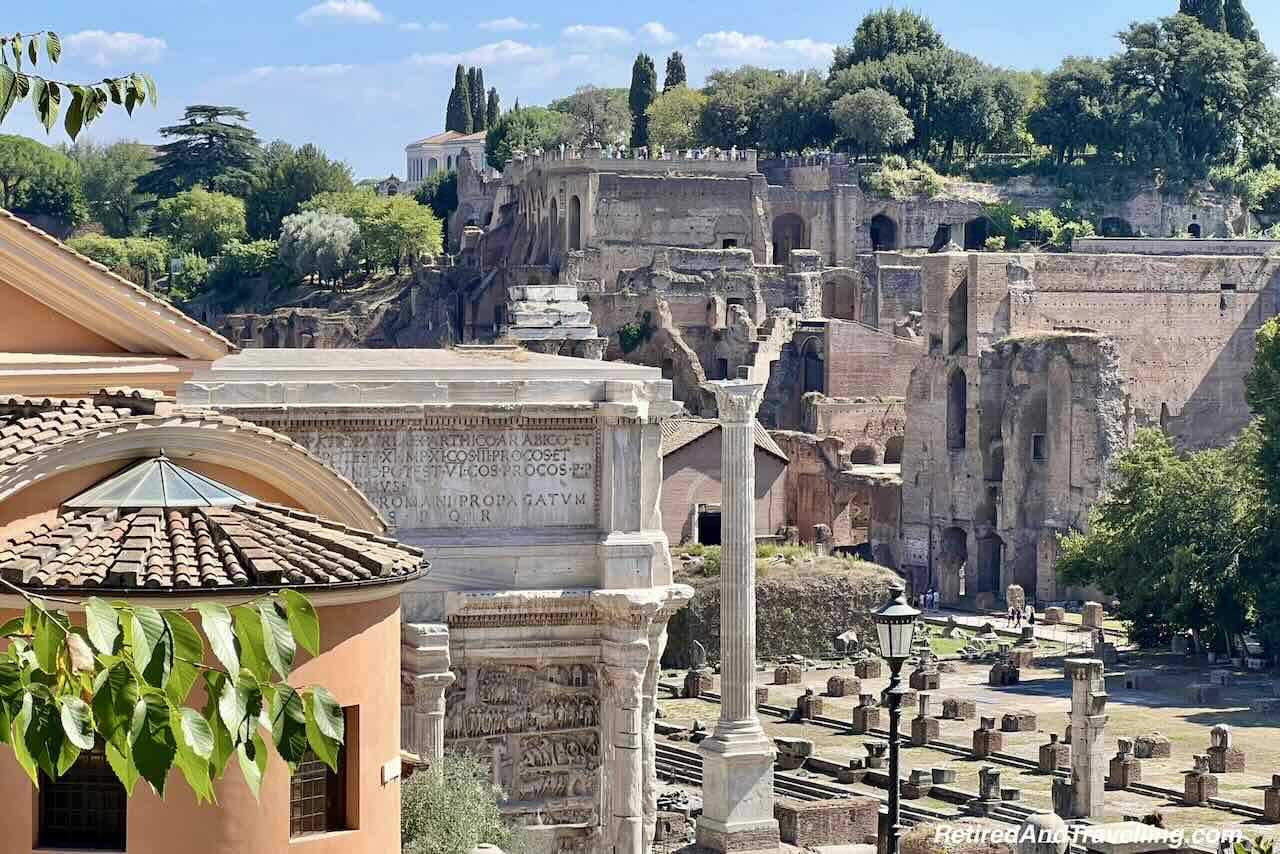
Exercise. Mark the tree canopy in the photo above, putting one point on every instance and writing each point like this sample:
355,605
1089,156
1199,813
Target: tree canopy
675,118
211,149
603,116
457,115
200,221
676,74
36,179
287,177
109,176
644,88
527,128
885,32
872,120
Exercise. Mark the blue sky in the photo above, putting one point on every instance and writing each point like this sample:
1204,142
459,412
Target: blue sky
362,78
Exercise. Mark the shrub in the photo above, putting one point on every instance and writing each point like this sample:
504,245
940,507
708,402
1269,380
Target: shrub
320,244
200,221
632,335
141,260
994,244
454,811
190,277
897,179
241,261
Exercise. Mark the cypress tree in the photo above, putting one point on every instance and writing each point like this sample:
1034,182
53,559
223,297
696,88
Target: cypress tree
675,72
644,88
458,115
1239,23
1213,15
479,108
492,110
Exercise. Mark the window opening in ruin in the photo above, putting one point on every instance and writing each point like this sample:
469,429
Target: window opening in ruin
958,318
990,555
729,243
893,450
815,376
668,369
575,222
1194,230
318,794
976,232
709,526
788,234
722,369
941,238
957,410
84,808
884,233
1114,226
1228,286
1039,449
863,455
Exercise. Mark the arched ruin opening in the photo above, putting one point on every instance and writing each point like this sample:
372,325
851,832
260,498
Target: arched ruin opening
990,556
1194,230
1114,226
788,233
815,375
864,455
952,562
957,409
575,222
884,233
976,232
433,166
840,298
555,225
893,450
941,238
958,319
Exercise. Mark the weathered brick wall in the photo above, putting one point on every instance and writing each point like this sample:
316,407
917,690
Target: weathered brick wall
863,361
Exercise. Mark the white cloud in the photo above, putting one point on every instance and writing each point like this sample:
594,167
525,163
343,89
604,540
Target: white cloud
656,32
410,27
361,11
102,48
508,24
300,72
741,47
590,37
497,53
417,27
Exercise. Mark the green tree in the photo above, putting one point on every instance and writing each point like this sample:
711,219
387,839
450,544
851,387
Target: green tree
675,118
457,115
453,811
886,32
872,121
735,110
36,179
440,193
1075,111
209,149
239,262
603,116
323,245
493,110
190,276
401,230
477,102
1239,22
796,113
200,221
287,177
676,75
525,129
108,177
21,52
644,88
141,260
125,678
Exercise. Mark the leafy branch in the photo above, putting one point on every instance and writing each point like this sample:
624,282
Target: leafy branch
125,677
87,100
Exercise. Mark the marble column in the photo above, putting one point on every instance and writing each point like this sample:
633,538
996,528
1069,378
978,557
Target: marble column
737,760
424,663
1088,738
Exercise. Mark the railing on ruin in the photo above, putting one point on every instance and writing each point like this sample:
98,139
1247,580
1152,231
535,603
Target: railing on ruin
708,158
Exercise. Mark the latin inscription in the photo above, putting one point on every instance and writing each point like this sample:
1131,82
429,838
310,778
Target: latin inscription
482,478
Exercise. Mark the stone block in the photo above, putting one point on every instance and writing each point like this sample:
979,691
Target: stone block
762,695
1054,756
1140,680
1092,615
923,679
955,709
924,730
987,742
865,719
787,674
1154,746
867,668
1015,596
909,698
1271,800
1198,788
1020,657
1002,673
917,785
877,753
792,753
809,705
1226,760
1202,694
1018,721
943,776
842,821
1055,615
1123,772
844,686
696,682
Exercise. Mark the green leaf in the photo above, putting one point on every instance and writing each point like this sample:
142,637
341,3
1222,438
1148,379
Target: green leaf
303,620
152,92
103,624
253,761
22,723
146,631
233,706
53,46
47,642
252,646
14,626
325,725
188,651
43,737
114,700
33,50
215,619
121,762
49,104
82,660
154,747
289,724
223,745
15,47
278,639
195,742
77,722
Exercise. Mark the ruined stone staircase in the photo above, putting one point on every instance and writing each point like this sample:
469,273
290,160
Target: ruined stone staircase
547,317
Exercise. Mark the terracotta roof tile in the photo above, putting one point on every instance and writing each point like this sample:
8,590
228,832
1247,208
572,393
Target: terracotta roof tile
678,432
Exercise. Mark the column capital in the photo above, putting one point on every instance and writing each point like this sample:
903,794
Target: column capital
737,401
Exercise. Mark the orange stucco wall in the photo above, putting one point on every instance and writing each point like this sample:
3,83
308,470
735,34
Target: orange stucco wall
691,475
30,326
360,664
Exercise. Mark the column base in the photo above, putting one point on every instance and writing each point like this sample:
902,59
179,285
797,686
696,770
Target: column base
737,791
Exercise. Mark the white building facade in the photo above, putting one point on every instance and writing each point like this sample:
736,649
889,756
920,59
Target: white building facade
439,153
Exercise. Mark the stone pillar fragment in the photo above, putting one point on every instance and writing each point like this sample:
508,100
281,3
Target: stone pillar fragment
424,667
737,760
1088,733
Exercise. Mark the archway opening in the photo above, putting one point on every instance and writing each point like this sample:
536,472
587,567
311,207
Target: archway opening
555,225
952,563
990,556
893,450
884,233
575,222
840,298
976,232
1194,230
957,409
864,455
788,234
958,319
814,368
941,238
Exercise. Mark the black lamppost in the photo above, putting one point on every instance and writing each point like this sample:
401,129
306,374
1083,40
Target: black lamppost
896,628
